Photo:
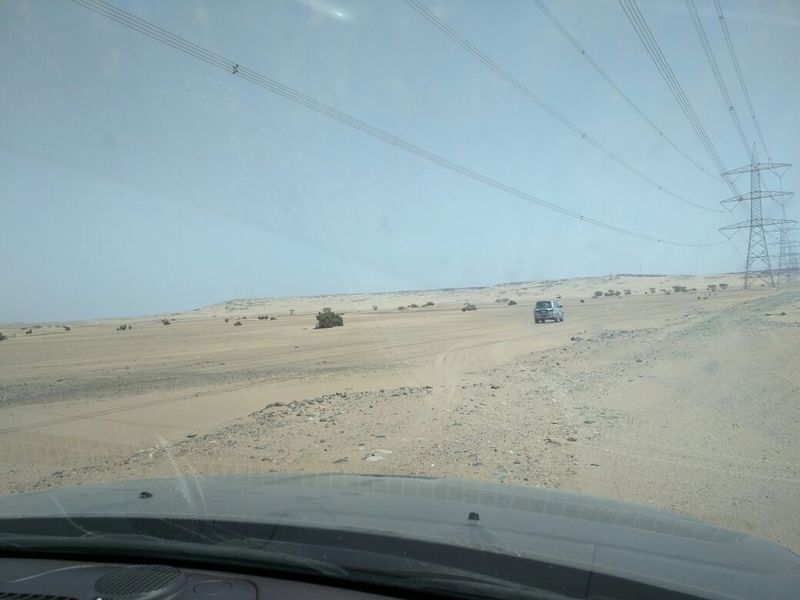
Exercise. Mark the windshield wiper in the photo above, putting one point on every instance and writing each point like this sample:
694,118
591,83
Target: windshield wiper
460,584
133,546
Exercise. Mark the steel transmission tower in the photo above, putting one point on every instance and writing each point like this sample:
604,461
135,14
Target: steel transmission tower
757,264
787,254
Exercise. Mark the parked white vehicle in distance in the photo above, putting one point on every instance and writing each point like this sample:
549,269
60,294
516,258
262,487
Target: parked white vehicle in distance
545,310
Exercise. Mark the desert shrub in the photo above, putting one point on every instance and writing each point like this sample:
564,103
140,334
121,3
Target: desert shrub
237,324
28,331
627,292
723,286
273,318
618,293
608,294
598,293
67,328
401,308
712,286
512,303
262,317
122,327
291,312
468,306
374,307
413,306
2,337
652,290
227,320
679,288
502,300
165,322
581,300
428,304
327,318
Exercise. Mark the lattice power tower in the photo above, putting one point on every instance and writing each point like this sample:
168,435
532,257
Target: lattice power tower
758,267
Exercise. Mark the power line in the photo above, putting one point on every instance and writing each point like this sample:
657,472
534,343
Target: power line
737,67
607,78
637,20
170,39
541,103
712,62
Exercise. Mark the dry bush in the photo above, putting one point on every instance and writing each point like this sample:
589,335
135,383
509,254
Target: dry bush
514,303
166,322
237,324
468,306
326,318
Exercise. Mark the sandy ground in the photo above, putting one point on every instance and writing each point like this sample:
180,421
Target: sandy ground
689,401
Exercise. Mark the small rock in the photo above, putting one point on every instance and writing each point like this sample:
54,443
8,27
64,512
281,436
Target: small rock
379,435
638,360
274,404
572,439
339,461
494,386
191,435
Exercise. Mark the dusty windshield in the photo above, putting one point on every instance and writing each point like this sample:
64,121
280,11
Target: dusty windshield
310,236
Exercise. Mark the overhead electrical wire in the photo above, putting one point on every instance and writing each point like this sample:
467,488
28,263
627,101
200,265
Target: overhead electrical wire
542,104
642,30
177,42
738,68
616,87
712,62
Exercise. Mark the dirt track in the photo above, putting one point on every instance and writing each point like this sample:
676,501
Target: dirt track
688,404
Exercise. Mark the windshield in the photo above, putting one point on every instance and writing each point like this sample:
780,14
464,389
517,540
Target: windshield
311,236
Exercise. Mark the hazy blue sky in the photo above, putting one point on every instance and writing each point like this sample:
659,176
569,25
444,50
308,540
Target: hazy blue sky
135,179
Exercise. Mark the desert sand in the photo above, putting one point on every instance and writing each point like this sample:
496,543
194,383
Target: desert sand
687,401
